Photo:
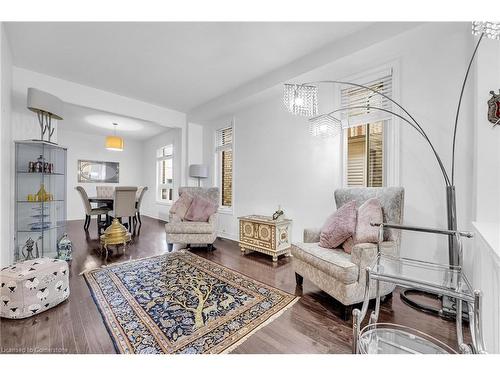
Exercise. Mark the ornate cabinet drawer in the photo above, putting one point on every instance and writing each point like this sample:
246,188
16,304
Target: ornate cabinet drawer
265,235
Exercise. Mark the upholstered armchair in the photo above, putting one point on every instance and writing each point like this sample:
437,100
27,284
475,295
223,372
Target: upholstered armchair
191,232
338,273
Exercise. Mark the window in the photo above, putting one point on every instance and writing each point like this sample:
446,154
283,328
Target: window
224,163
365,132
165,173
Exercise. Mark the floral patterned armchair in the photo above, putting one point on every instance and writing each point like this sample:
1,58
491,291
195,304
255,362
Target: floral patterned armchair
191,232
338,273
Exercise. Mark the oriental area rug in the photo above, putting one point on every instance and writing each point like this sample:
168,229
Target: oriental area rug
181,303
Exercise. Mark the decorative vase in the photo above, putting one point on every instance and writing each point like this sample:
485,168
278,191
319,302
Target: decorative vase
64,248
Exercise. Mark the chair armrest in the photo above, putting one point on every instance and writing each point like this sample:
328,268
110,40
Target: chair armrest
213,219
311,235
173,218
364,254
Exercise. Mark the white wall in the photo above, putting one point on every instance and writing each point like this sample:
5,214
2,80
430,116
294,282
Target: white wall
6,193
485,255
91,147
277,162
150,206
194,149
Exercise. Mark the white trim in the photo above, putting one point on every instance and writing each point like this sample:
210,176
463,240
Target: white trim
228,236
392,152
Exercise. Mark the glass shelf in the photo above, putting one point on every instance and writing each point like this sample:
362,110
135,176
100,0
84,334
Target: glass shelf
39,173
38,202
432,277
44,229
387,338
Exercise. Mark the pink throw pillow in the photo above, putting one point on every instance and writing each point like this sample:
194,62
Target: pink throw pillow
368,212
339,226
348,245
200,210
181,205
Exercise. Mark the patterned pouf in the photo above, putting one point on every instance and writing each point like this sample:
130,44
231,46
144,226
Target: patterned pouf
32,286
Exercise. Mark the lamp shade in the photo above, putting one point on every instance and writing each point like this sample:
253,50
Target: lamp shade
198,170
114,143
41,101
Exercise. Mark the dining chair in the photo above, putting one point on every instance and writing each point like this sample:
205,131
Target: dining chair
141,190
89,211
104,191
124,204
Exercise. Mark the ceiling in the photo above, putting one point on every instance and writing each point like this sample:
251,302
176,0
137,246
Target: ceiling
88,120
179,65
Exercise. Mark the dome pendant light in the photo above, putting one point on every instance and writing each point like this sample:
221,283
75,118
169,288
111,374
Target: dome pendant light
113,142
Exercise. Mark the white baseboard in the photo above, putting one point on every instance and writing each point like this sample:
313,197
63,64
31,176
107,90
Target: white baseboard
228,236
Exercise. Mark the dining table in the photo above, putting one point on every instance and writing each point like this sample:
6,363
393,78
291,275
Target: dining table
108,201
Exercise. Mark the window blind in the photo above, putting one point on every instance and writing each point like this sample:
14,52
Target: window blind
356,170
352,96
224,139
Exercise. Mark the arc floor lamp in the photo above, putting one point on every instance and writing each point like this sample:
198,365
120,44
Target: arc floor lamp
302,99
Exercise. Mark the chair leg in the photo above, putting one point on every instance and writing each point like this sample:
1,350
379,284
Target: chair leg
87,223
346,312
170,246
139,218
299,279
188,246
210,247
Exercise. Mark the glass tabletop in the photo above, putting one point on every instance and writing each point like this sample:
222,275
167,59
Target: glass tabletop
431,277
387,338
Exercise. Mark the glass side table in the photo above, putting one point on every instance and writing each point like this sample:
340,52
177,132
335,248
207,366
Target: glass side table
429,277
387,338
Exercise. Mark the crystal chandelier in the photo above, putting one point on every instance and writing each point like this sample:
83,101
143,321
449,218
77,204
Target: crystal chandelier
324,126
301,100
489,29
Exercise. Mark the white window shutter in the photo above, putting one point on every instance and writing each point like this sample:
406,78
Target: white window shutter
352,96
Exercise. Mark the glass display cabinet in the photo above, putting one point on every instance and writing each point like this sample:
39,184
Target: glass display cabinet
40,198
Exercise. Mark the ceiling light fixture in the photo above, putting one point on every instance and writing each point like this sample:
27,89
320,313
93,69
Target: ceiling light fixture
113,142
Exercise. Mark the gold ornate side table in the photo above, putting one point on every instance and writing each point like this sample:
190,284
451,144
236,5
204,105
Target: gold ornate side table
116,234
265,235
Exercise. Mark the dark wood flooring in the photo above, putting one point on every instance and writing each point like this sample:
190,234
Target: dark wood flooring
312,325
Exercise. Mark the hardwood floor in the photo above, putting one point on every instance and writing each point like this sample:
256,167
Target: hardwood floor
312,325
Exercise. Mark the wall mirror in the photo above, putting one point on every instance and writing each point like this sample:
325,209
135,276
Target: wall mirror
98,171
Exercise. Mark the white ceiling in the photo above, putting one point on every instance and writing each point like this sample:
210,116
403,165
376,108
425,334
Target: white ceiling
88,120
177,65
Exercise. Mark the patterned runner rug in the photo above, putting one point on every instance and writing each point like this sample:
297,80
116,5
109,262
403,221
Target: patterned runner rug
181,303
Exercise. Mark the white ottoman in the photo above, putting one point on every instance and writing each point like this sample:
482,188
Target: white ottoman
30,287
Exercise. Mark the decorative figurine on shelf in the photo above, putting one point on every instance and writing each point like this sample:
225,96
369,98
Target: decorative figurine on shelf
494,108
39,164
28,246
42,195
64,248
279,214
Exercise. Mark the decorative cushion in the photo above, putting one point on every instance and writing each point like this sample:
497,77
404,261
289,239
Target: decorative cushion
181,205
348,245
369,212
30,287
339,226
200,209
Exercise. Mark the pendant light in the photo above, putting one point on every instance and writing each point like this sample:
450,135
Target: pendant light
113,142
